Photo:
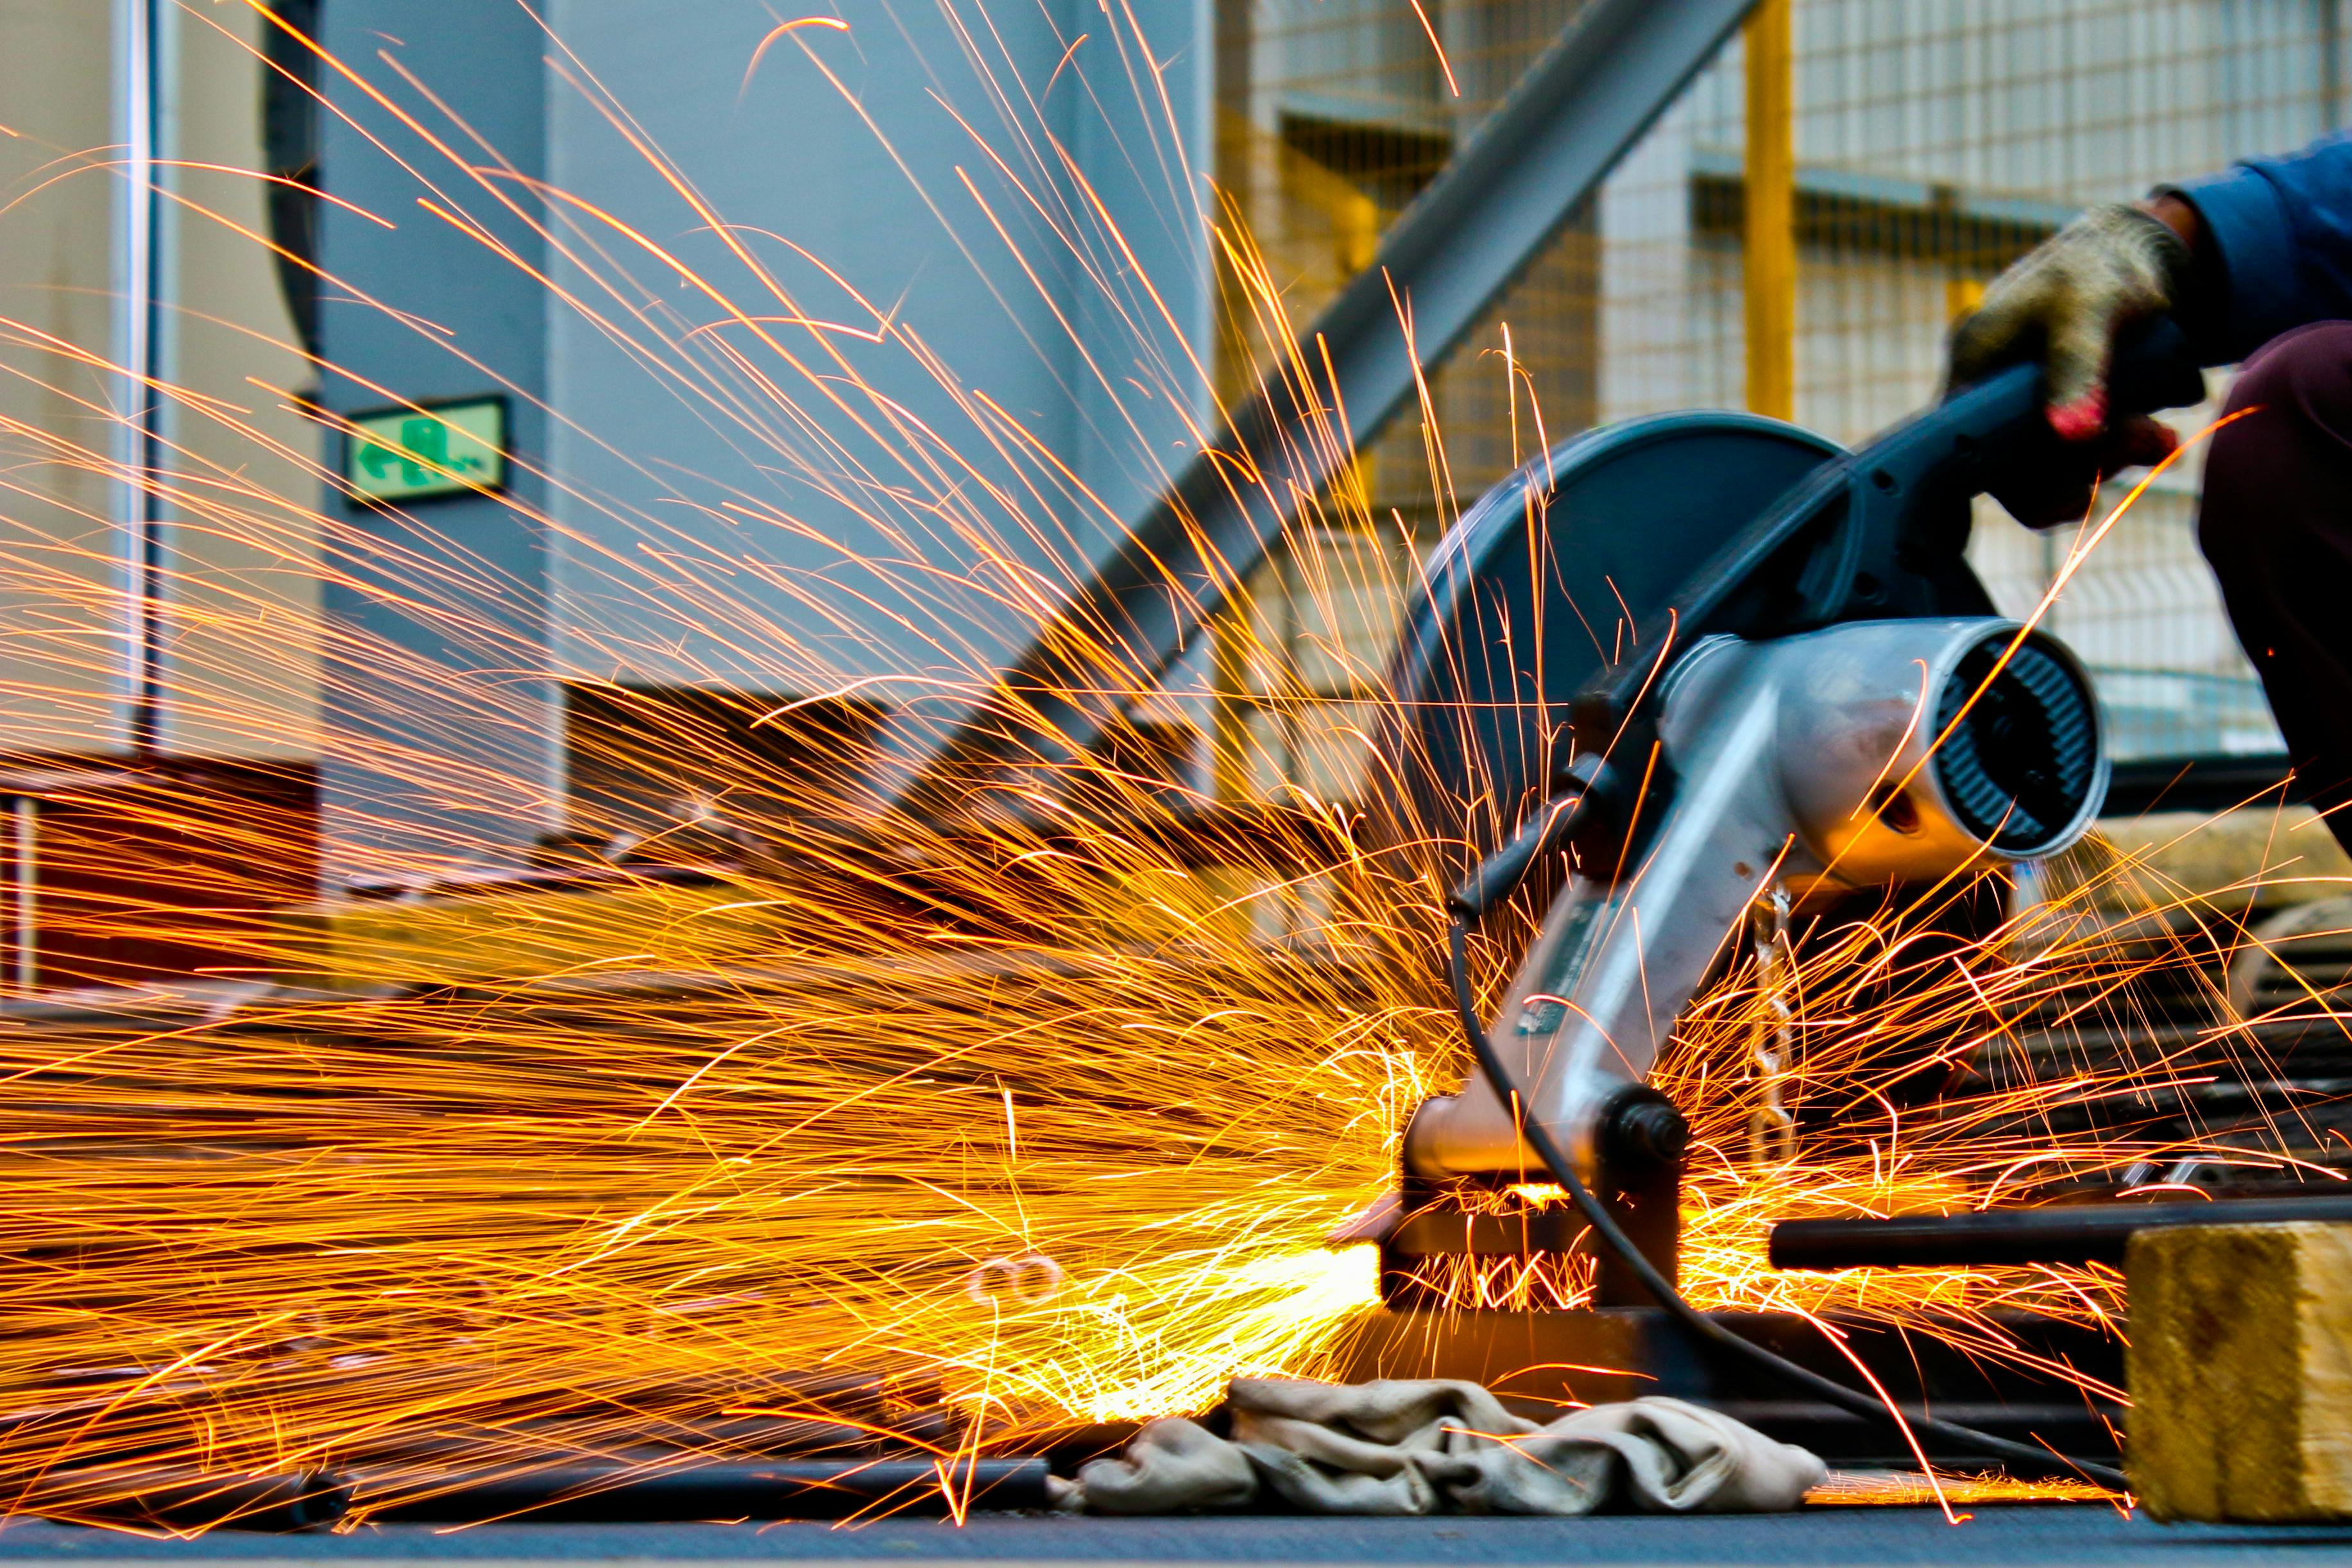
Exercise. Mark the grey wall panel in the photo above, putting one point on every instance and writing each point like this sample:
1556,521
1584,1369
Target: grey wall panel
438,725
1144,138
723,521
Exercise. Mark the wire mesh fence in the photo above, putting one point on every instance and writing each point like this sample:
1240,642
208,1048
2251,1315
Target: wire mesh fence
1936,141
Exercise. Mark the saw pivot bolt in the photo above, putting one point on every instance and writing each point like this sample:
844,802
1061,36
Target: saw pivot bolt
1646,1129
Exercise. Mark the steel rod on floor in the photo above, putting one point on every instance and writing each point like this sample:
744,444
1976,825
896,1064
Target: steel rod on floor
2085,1233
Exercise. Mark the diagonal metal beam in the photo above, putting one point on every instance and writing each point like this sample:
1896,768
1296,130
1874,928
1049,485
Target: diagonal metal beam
1451,253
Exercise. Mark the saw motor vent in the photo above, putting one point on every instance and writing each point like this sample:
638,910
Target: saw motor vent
2020,763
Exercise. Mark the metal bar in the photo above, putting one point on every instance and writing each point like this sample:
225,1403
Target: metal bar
1576,111
561,1439
1772,212
2063,1233
189,1500
139,47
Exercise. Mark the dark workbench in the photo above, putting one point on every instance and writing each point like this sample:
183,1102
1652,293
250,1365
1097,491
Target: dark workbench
2073,1536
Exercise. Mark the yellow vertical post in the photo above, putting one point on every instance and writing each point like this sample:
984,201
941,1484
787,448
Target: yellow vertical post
1771,227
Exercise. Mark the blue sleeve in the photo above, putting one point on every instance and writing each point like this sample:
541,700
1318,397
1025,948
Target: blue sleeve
2283,229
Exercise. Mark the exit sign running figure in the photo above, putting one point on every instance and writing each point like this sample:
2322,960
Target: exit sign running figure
436,449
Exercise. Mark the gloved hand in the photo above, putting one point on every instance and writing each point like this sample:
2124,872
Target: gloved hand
2063,303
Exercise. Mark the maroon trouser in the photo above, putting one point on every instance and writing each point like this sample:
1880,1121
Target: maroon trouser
2276,524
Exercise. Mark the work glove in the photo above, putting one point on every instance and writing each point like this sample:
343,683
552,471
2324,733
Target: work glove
2063,303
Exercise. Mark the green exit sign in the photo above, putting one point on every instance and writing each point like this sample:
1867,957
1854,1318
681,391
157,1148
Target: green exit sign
433,449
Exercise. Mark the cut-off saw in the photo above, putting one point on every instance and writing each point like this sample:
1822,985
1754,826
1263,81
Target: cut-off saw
1675,670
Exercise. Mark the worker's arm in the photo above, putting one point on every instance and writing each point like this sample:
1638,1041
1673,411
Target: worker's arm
2273,240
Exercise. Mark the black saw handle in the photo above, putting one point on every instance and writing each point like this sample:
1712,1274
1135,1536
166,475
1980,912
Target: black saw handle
2013,446
1879,532
2154,368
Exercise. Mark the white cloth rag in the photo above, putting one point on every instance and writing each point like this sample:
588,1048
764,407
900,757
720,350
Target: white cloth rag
1410,1447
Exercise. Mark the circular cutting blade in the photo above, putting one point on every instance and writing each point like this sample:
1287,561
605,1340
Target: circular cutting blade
1539,587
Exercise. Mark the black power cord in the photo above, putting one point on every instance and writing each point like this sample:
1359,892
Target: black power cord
1481,892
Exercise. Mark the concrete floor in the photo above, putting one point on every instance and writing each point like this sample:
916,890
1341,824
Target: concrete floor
2076,1536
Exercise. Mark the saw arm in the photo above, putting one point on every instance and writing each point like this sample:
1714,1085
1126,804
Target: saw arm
1812,760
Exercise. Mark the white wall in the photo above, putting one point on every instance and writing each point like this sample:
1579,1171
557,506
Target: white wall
240,583
238,534
63,648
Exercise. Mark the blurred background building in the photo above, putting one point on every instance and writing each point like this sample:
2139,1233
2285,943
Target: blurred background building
187,641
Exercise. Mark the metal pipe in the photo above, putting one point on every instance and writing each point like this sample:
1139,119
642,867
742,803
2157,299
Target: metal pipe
181,1500
2084,1233
846,1443
141,60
